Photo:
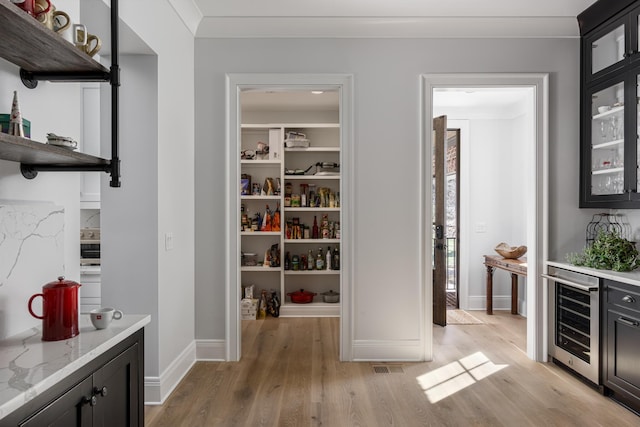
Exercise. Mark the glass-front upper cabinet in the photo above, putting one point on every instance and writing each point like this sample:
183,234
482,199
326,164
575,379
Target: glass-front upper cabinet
610,65
612,45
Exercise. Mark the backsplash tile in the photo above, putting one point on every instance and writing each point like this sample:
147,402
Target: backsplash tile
31,255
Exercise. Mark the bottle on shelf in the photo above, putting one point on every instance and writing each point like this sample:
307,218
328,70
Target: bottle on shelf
320,260
329,261
315,233
324,225
262,308
310,260
336,259
287,262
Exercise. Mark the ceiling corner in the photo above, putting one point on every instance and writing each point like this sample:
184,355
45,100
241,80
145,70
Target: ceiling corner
189,12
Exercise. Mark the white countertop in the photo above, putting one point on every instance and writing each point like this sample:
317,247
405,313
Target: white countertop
632,277
29,366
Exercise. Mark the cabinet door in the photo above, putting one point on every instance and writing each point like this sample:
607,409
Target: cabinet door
605,50
605,155
69,410
116,389
622,373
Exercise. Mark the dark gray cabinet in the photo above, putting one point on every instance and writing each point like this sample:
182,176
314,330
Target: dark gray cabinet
610,82
108,391
621,352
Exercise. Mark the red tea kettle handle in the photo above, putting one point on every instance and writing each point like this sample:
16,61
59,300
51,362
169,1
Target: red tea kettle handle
31,310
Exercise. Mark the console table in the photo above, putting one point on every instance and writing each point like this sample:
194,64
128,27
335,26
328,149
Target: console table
517,267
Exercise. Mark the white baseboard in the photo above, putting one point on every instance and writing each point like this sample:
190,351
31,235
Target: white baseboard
388,351
158,389
211,350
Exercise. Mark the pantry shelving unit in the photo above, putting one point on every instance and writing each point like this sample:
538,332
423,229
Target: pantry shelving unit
324,147
41,54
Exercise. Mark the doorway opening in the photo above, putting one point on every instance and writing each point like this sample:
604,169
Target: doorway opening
270,119
481,227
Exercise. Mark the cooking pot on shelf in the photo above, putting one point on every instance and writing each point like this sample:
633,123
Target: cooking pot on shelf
331,296
301,296
59,309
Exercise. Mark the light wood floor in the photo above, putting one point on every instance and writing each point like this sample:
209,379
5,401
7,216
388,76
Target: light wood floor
290,375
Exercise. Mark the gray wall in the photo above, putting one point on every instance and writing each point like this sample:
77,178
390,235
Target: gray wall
386,86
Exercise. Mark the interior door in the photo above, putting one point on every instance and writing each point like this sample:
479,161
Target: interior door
439,218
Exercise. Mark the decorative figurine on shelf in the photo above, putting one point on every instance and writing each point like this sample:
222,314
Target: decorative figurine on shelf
15,123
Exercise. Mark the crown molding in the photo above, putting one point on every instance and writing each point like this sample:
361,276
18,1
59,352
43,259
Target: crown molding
189,12
387,27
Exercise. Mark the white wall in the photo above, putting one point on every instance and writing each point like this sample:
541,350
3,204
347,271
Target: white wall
158,130
386,85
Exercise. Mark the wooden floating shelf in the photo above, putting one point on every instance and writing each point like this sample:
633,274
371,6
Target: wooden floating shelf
26,151
32,46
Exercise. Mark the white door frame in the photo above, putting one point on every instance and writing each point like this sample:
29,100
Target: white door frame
235,83
536,190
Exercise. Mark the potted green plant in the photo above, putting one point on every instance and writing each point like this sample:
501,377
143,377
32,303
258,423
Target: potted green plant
609,251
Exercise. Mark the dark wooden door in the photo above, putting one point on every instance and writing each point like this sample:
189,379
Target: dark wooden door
439,219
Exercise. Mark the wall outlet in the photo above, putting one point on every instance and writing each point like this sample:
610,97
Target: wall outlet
168,241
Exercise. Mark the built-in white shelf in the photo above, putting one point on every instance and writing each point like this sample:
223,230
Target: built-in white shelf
314,241
296,209
261,269
311,272
312,177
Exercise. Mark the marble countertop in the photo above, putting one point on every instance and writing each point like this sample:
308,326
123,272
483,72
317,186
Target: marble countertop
632,277
29,366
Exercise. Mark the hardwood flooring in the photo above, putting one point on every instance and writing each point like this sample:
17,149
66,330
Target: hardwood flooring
290,375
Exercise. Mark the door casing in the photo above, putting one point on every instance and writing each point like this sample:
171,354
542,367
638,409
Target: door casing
235,83
536,188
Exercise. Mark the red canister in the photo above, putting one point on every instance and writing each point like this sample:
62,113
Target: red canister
59,310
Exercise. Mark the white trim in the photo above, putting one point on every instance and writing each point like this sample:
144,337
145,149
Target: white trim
158,389
410,27
235,83
387,351
210,350
188,12
537,200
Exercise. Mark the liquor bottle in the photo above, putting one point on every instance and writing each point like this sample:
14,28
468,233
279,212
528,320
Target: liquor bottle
320,260
310,260
262,308
274,306
336,259
287,262
328,261
314,233
324,226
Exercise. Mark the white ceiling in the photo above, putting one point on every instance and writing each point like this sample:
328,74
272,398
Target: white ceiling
382,18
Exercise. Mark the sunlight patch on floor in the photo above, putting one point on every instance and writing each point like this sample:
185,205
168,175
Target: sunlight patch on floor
450,379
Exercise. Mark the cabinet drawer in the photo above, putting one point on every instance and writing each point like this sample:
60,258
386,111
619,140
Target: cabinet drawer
624,297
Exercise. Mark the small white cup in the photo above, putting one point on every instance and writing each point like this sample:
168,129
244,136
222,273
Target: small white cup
101,317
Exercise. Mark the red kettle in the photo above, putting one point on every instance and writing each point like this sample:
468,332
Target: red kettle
59,309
